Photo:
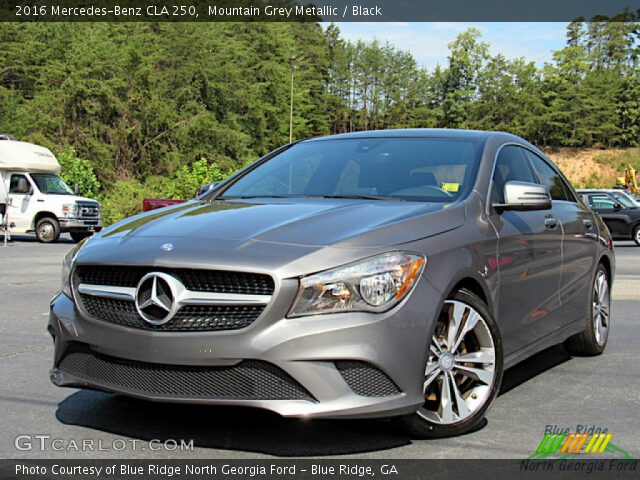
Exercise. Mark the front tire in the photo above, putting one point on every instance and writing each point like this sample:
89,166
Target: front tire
636,235
79,236
47,230
593,340
463,372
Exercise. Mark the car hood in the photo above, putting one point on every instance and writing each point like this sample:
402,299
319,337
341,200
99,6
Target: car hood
69,198
323,222
268,234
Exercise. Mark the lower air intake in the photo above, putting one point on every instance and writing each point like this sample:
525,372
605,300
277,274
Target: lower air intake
366,380
247,380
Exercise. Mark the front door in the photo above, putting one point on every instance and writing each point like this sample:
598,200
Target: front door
613,213
579,242
21,197
530,259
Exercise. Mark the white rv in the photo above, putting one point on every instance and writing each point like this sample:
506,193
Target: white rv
37,199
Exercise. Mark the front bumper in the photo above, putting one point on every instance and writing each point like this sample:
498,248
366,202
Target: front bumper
80,224
308,349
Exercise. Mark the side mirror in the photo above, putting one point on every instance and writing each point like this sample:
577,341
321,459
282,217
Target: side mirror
525,196
617,207
76,189
24,187
205,188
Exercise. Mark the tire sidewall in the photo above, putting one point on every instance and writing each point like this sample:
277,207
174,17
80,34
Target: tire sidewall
432,430
591,327
79,236
634,234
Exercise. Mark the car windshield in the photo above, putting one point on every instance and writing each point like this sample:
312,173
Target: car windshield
418,169
624,200
51,184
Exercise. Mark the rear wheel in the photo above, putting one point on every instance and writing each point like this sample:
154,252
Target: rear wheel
463,371
636,235
593,340
47,230
79,236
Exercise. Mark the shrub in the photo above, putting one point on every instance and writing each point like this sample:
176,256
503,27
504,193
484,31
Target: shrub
78,171
123,200
189,177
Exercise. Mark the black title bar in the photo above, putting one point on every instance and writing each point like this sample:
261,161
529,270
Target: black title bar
319,10
347,469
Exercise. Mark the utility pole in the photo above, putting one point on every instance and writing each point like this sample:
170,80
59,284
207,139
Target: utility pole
293,61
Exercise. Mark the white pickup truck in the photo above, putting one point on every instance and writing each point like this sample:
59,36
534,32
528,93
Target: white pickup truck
37,200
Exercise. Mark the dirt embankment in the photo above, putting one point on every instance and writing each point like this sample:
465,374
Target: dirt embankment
588,167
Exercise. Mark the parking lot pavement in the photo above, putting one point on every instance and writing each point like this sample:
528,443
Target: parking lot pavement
551,388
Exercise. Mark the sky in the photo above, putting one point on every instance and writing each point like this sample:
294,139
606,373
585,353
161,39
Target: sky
428,41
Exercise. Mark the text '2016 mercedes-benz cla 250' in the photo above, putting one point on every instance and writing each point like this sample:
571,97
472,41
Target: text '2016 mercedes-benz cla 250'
373,274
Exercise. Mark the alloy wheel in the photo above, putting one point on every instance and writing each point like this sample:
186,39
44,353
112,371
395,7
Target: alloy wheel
460,370
600,307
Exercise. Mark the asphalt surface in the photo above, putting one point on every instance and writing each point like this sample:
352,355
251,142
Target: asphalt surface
550,388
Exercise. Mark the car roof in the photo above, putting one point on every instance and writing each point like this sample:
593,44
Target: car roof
410,132
595,190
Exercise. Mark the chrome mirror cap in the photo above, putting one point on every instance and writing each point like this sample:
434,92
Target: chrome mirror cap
525,196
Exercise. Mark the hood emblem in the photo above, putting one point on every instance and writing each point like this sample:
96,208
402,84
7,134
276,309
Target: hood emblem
166,247
156,298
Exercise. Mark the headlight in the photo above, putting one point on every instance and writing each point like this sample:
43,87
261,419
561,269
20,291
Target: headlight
70,210
375,284
67,267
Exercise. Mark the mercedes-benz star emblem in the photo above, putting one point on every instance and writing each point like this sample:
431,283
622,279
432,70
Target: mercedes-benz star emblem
156,298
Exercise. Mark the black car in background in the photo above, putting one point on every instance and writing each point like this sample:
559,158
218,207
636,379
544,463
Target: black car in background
621,215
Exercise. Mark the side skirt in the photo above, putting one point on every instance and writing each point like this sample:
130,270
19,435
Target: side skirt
554,338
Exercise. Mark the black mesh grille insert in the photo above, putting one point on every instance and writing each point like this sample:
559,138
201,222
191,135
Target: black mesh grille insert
188,318
195,280
365,379
247,380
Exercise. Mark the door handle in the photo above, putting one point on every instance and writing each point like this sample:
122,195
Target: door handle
550,222
588,223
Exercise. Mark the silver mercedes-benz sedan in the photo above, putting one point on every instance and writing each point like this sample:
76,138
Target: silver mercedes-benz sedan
374,274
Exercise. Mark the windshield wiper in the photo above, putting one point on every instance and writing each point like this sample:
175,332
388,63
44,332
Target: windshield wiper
358,197
347,196
243,197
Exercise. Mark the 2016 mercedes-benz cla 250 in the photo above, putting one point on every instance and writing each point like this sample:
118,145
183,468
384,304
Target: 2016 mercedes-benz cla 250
374,274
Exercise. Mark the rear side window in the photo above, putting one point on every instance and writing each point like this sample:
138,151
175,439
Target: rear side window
548,177
511,166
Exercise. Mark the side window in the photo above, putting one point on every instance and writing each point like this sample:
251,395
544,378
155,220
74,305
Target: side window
601,201
19,184
547,175
511,165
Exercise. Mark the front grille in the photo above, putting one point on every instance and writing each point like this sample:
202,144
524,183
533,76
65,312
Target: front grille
89,209
247,380
89,212
188,318
195,280
365,379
